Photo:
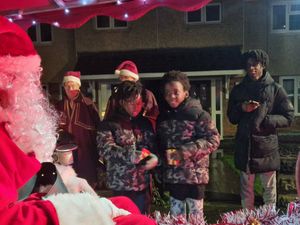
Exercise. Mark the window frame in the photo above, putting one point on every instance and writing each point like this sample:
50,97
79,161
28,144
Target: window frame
203,15
296,87
39,35
111,25
288,13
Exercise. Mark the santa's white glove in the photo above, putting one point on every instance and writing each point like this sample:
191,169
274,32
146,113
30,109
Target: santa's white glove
77,185
111,209
81,208
73,183
151,163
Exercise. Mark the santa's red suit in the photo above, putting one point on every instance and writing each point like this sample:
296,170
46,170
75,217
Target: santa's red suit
24,129
16,168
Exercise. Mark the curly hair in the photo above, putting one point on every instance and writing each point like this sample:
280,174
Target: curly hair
258,55
128,89
175,75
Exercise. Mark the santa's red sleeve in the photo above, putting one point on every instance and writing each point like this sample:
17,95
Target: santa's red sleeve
28,212
16,168
135,218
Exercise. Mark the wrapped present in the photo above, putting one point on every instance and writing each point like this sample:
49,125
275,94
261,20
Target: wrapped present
145,153
172,159
140,157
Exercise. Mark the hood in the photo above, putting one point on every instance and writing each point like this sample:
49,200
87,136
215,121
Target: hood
265,79
257,90
189,108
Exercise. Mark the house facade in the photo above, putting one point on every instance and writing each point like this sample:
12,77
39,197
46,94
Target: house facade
206,44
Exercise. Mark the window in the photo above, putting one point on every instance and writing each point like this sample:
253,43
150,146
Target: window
40,33
285,17
292,88
105,22
208,14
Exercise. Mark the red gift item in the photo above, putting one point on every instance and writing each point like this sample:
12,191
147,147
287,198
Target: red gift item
145,153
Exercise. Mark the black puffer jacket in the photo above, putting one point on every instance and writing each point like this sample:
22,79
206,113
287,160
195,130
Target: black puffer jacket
256,137
189,129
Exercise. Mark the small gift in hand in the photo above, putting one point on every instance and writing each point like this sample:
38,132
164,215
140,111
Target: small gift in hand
144,156
146,159
173,157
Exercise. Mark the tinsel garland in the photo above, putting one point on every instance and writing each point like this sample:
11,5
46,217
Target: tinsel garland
264,215
167,219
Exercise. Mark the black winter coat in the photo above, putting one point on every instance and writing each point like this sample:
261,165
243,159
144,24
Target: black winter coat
256,138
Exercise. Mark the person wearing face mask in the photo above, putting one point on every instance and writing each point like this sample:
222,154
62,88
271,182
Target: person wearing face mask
126,142
127,71
79,117
186,136
258,105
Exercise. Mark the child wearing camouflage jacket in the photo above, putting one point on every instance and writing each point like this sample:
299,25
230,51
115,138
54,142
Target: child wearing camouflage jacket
186,137
124,139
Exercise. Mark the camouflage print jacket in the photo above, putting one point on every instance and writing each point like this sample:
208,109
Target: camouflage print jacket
190,130
118,138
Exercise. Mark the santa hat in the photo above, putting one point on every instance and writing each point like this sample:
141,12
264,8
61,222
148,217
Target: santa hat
72,76
17,52
127,68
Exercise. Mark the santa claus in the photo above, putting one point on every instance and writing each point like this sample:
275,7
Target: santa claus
28,137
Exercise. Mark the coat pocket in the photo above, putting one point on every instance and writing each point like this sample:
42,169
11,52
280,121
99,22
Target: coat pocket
264,155
266,164
263,146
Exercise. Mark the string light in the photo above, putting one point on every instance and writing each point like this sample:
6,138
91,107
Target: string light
85,2
67,11
33,22
10,20
20,16
126,15
119,2
56,24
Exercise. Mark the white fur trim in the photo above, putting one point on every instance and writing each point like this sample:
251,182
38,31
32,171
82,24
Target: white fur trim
79,209
15,64
128,73
113,210
72,78
66,172
73,183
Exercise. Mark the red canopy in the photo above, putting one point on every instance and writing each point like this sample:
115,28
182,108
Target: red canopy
24,12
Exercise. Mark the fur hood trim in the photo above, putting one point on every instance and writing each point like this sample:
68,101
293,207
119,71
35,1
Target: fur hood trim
16,64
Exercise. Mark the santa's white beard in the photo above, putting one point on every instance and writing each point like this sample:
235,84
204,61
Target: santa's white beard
29,119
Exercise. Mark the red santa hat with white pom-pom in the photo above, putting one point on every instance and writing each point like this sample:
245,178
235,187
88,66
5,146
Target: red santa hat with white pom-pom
17,52
72,76
127,68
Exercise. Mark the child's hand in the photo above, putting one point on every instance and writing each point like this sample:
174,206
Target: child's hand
151,163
